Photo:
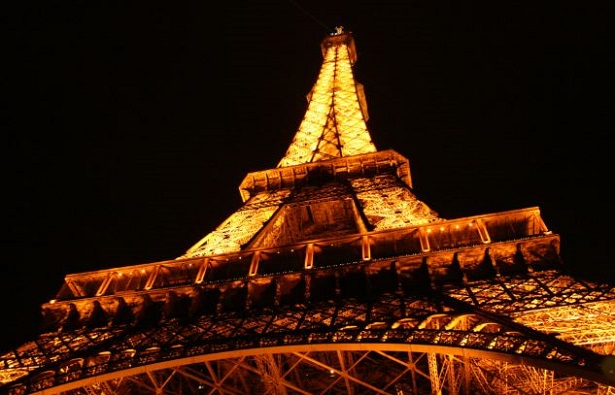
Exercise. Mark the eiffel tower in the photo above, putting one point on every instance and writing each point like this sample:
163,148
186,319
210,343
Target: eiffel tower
332,277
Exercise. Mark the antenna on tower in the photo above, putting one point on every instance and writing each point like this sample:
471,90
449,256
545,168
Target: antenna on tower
318,21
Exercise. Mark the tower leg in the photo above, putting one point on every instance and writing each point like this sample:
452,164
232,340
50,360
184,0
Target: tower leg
451,374
270,373
434,377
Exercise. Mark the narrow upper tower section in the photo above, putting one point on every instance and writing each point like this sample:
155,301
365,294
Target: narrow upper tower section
334,124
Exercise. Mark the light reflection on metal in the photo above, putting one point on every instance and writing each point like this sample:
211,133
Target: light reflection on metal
333,277
334,124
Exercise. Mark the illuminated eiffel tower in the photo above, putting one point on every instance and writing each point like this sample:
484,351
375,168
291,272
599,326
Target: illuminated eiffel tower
332,278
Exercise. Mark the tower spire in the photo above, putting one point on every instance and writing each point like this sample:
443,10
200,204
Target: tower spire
332,154
334,124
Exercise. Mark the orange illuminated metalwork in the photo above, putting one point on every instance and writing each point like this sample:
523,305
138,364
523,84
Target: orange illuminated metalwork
332,277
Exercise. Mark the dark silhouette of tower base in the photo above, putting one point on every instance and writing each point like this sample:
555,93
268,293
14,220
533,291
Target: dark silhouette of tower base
332,278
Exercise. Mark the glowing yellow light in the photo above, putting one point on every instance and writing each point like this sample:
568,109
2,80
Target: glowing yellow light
335,91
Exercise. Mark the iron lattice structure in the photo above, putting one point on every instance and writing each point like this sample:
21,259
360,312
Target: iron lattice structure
332,278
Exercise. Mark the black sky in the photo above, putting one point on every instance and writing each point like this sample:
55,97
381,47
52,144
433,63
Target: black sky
128,126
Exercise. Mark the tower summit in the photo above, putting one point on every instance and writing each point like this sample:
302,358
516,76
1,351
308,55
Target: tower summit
334,124
332,277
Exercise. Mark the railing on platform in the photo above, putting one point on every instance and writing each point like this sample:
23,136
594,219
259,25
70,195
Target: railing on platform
445,235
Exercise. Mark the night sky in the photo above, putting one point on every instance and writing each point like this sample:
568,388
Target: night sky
128,127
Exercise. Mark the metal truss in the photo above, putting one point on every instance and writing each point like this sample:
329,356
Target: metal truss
437,345
332,278
445,303
334,124
344,372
